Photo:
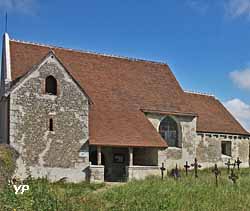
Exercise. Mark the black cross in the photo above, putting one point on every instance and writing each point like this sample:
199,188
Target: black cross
196,166
162,170
228,164
238,162
186,166
175,172
233,176
216,172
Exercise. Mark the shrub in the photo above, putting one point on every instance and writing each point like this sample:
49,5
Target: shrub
8,158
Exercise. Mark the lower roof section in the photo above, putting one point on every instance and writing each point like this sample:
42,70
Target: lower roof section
213,117
122,128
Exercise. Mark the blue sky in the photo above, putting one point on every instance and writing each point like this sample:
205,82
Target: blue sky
205,42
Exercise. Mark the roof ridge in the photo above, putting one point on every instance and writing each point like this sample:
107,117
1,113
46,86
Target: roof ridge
89,52
199,93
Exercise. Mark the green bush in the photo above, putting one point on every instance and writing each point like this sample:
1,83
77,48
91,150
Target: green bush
7,162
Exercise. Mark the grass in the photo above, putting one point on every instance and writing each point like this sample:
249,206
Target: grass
43,195
185,194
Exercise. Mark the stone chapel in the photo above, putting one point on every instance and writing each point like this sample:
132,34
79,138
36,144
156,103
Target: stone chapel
87,116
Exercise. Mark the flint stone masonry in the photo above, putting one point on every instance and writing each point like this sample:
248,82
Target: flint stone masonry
54,154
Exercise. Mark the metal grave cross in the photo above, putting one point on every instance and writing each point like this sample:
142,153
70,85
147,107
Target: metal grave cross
228,164
233,176
162,170
186,166
238,162
216,172
175,172
196,166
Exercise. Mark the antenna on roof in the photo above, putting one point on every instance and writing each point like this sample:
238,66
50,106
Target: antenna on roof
6,22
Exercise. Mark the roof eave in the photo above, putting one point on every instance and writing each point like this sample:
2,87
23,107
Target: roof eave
226,133
169,112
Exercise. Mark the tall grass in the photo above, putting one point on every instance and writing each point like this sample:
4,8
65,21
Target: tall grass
43,195
185,194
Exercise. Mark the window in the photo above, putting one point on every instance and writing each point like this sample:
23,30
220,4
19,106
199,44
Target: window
51,125
51,85
169,131
226,148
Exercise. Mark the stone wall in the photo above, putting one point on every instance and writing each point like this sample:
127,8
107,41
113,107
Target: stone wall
55,154
96,173
208,149
141,172
205,147
187,139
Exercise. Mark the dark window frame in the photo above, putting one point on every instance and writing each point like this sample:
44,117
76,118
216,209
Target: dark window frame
168,130
226,148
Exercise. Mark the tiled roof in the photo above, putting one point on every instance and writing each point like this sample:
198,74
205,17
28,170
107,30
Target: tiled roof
213,116
120,88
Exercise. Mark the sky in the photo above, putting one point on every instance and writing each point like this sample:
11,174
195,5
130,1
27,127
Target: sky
206,43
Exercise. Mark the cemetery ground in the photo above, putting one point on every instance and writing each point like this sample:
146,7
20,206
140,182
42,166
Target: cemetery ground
187,193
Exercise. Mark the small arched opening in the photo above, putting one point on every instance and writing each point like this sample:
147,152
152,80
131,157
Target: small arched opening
51,85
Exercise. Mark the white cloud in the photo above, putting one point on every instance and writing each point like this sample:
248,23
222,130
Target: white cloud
240,110
241,78
23,6
236,8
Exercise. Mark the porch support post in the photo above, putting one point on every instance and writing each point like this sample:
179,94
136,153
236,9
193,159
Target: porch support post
130,149
99,155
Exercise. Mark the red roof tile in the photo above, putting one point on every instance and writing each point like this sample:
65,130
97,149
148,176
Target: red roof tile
213,116
119,88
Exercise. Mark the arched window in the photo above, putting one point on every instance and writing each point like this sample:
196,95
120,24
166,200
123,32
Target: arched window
51,85
168,130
